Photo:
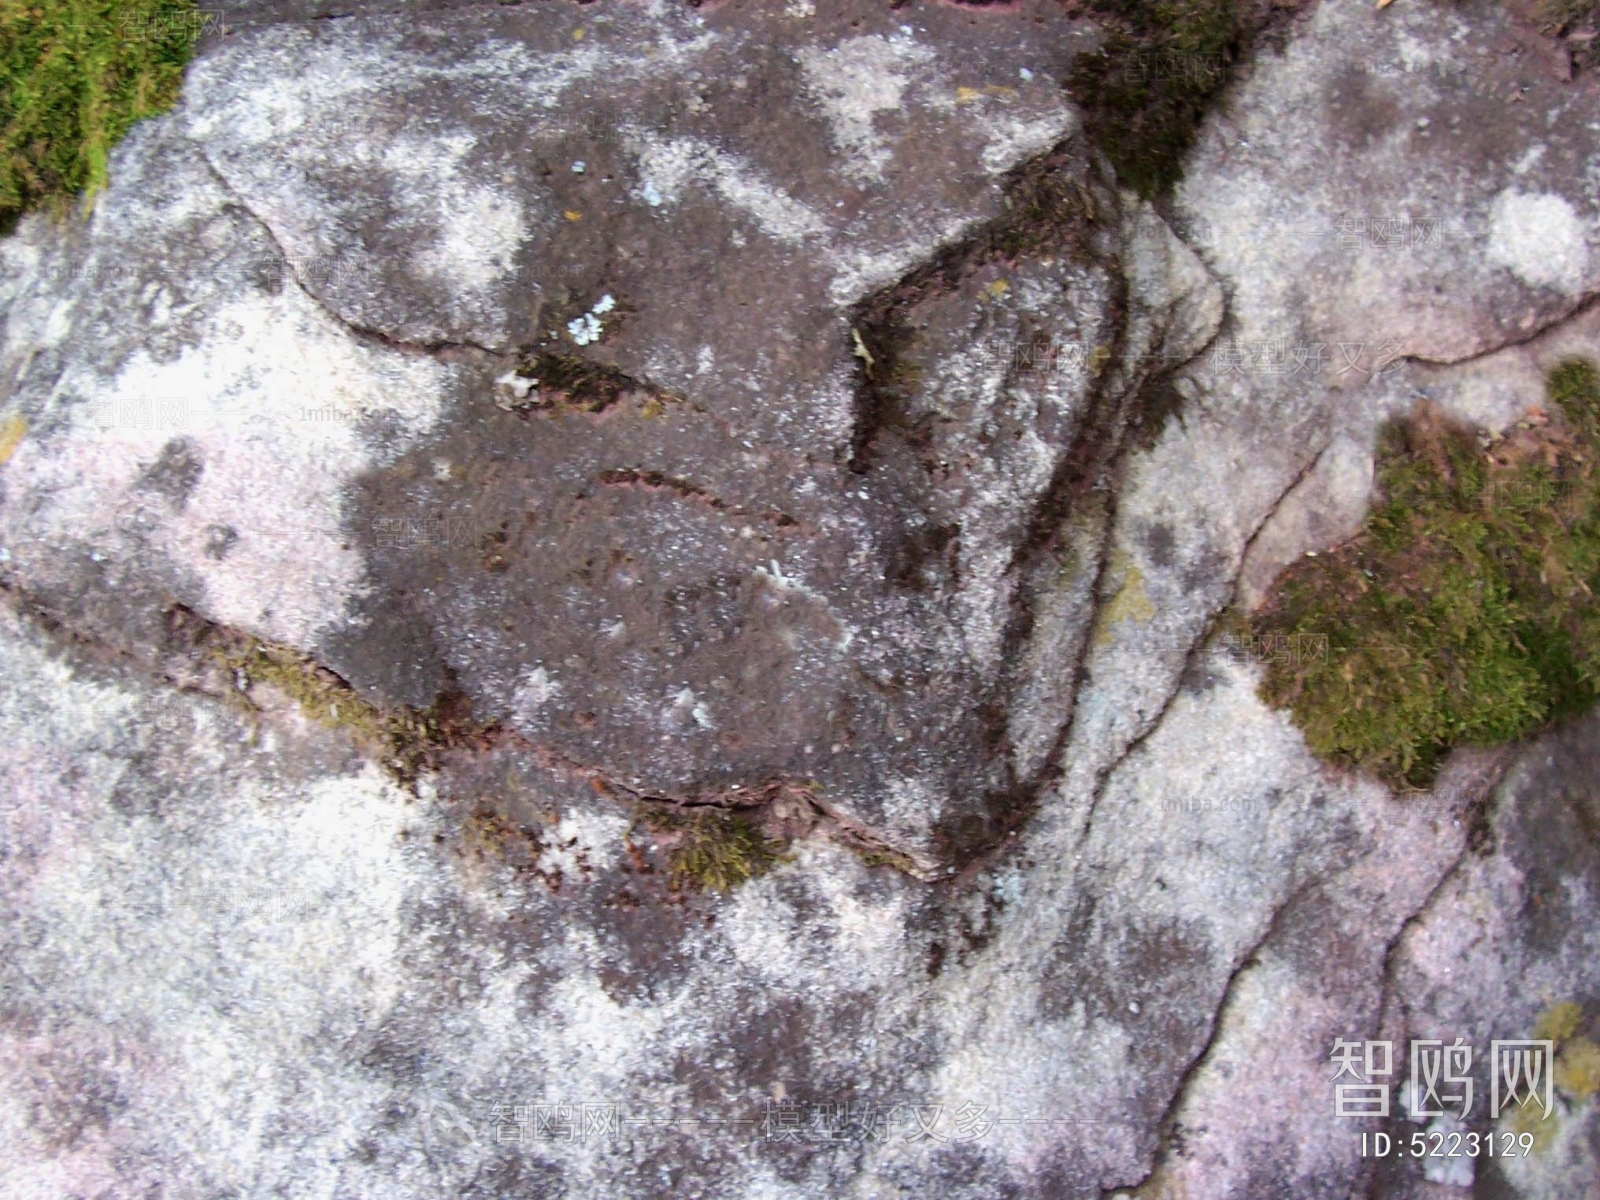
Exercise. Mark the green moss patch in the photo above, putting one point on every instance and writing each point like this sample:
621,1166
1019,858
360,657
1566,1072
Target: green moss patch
74,76
712,849
1161,67
1464,613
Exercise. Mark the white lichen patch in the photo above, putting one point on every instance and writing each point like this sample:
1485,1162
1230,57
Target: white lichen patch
669,168
1011,138
853,83
1540,239
582,841
844,938
255,917
685,711
686,708
860,271
537,689
279,111
477,229
515,387
235,403
587,328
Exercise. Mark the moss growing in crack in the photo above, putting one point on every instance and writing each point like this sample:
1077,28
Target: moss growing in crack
577,383
882,856
1465,611
713,849
571,383
1161,67
74,77
403,739
1043,208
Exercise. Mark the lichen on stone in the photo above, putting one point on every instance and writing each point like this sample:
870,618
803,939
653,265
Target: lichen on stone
1577,1066
1559,1022
1577,1071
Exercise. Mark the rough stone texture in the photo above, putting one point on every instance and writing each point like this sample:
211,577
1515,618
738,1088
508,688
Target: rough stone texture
710,548
864,516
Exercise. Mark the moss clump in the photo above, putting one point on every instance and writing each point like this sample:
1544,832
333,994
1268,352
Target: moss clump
1465,612
713,849
1162,65
74,76
1578,1069
1044,205
1577,1066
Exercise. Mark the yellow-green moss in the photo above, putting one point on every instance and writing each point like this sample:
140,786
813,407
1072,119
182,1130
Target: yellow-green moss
1465,611
402,738
1559,1022
1532,1118
74,77
1578,1069
713,848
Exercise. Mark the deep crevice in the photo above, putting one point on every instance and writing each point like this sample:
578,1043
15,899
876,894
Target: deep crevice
1047,204
1091,464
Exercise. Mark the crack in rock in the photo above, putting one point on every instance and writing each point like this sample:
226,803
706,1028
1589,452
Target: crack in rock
442,349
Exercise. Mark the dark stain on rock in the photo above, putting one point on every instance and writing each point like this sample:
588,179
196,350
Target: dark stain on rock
1199,676
219,540
176,471
1159,542
1208,569
71,1096
927,559
514,1174
1362,108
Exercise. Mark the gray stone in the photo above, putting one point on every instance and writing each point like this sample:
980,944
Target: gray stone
782,410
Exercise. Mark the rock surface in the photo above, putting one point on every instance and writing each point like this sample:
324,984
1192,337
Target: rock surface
784,410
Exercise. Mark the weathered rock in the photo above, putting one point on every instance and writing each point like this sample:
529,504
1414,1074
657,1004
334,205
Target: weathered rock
702,523
885,500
